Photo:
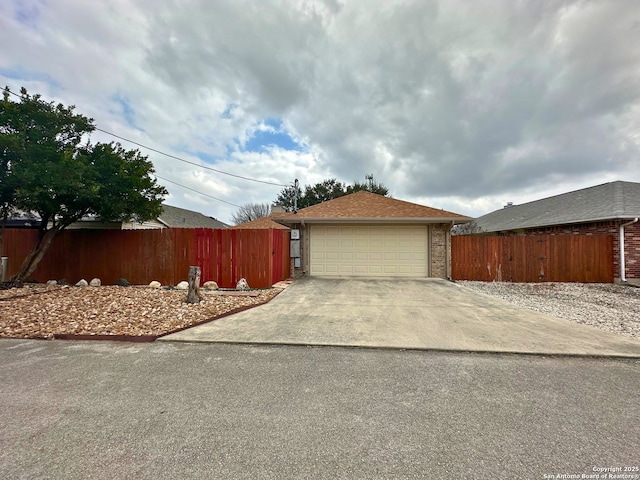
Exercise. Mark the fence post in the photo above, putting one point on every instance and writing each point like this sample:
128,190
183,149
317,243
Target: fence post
194,285
3,269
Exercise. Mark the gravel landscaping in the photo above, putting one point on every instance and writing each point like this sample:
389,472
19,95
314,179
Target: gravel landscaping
39,311
611,307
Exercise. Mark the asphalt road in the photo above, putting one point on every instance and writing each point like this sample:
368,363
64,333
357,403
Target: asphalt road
163,410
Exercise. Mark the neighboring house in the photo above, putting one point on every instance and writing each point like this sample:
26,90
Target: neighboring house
261,224
608,209
369,235
21,220
174,217
171,217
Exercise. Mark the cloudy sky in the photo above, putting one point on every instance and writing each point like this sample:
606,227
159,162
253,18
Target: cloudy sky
456,104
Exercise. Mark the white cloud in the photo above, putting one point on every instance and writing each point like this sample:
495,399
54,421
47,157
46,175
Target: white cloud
460,105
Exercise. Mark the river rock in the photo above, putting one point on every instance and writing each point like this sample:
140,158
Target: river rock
210,285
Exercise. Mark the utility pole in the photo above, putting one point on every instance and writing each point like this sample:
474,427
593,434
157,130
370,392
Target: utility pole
369,179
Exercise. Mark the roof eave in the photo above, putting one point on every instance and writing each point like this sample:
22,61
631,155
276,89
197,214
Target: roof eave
293,219
160,220
556,224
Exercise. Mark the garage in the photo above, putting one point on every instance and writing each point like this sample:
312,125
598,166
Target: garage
369,250
364,234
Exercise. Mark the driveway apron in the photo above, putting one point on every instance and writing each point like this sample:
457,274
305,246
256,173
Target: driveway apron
426,314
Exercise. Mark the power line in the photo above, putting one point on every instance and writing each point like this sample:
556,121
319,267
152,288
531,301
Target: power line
178,158
158,176
193,190
191,163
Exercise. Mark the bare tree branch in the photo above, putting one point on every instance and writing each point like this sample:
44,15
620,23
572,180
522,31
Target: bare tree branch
250,212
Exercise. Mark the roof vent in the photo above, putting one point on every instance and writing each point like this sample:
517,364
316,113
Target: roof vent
509,205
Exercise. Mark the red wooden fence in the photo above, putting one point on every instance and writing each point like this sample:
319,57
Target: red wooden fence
536,258
140,256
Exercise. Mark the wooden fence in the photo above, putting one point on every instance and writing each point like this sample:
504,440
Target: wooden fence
536,258
140,256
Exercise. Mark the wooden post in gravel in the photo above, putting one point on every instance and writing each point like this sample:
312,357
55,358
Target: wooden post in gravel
194,285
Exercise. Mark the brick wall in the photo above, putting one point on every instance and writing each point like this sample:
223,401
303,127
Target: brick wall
631,241
440,250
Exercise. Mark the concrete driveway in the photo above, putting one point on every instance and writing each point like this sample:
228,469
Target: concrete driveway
428,314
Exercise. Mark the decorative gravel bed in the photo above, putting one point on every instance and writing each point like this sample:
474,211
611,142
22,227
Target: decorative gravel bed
611,307
37,311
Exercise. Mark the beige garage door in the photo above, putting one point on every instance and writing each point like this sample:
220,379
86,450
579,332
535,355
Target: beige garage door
369,250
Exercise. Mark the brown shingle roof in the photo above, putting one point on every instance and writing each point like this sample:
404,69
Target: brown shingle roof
261,223
364,206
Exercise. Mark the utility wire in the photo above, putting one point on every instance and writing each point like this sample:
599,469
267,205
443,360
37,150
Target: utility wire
191,163
193,190
178,158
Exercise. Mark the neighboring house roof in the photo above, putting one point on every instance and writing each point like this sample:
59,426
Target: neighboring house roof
171,217
365,206
261,223
174,217
609,201
22,222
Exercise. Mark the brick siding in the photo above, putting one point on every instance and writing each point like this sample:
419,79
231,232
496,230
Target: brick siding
440,250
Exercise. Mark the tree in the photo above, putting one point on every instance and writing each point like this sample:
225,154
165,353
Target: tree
321,192
470,228
327,190
370,186
49,172
286,198
250,212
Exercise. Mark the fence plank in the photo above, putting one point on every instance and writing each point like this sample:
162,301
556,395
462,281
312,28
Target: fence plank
535,258
141,256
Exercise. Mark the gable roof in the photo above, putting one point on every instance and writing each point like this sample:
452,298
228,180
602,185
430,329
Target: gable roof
174,217
261,223
609,201
365,206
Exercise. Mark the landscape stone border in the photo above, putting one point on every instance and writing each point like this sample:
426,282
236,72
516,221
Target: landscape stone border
153,338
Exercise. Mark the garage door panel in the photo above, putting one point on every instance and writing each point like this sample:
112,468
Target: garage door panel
331,269
345,269
369,250
404,256
405,269
360,256
375,269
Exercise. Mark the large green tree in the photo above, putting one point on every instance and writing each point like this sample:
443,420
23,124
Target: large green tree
48,168
327,190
